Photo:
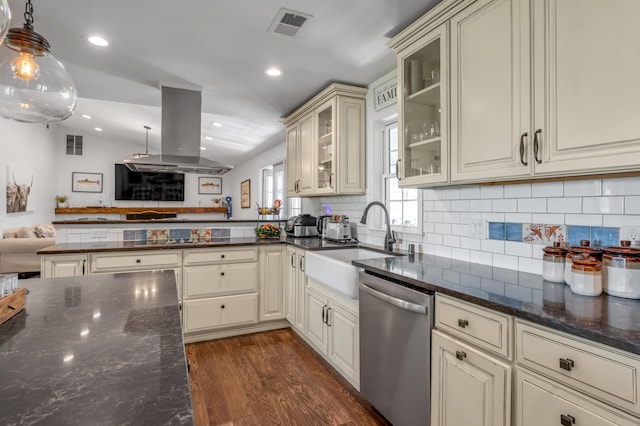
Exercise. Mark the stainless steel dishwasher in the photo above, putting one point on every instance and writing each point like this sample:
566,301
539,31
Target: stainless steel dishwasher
395,350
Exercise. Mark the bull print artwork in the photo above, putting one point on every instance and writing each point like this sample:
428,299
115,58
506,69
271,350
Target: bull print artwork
19,186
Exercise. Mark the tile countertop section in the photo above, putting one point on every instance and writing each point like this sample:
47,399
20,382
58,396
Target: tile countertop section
605,319
102,349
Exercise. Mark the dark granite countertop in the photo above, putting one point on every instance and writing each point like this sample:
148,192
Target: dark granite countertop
606,319
105,221
102,349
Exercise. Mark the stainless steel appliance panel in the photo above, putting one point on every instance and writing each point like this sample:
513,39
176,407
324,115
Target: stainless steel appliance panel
395,350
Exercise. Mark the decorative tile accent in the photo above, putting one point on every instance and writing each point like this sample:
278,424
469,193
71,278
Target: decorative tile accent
141,235
601,236
205,235
543,234
157,236
513,231
220,232
577,233
496,231
128,235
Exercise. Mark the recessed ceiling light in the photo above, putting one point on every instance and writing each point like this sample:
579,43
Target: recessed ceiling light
216,124
98,41
98,129
203,148
88,117
273,72
209,138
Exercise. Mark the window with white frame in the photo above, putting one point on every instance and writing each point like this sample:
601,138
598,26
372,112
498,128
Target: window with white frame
273,188
403,203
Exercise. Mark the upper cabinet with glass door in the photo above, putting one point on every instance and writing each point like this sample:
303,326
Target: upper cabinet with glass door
423,153
325,148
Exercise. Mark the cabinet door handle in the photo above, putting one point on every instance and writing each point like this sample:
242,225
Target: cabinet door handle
331,180
84,263
461,355
324,308
302,263
566,364
535,146
327,322
462,323
138,260
398,174
524,135
567,420
293,262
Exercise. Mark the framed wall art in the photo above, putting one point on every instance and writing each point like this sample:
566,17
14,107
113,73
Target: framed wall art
210,185
86,182
245,194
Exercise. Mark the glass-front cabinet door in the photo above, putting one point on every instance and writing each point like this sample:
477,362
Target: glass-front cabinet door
325,154
423,155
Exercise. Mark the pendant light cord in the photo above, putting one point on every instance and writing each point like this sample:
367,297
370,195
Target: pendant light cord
146,150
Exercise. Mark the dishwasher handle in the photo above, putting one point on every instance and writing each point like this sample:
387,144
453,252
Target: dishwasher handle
402,304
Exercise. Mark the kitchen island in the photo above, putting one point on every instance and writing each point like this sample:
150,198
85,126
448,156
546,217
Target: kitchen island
102,349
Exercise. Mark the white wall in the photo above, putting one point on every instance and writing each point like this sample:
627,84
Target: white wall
33,146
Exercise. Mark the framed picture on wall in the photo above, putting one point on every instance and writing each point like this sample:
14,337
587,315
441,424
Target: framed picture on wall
86,182
245,194
210,185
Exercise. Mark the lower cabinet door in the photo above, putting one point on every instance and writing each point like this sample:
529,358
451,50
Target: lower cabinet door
315,318
468,387
64,266
219,312
291,293
542,402
344,341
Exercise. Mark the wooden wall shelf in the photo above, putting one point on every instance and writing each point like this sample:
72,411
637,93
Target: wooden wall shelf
132,210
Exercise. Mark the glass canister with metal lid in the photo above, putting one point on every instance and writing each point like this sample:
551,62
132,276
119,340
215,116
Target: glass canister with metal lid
586,276
553,261
582,250
621,271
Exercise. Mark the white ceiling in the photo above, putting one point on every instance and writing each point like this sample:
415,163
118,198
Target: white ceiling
221,47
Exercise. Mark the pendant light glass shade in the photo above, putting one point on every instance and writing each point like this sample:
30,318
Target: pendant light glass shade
5,19
34,86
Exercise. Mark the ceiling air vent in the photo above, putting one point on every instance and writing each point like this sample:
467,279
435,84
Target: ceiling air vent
288,22
74,145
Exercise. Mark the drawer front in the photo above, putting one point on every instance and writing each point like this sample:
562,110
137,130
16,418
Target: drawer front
486,329
218,280
603,372
220,255
219,312
132,261
540,402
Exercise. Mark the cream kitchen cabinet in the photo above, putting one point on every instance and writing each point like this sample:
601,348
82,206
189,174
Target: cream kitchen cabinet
468,387
332,327
273,277
540,88
326,143
64,265
295,293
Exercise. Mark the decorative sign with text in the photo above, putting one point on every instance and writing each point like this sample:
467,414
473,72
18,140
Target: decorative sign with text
385,94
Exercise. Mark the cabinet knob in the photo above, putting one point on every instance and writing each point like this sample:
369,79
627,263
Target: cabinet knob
138,260
566,364
567,420
222,273
221,306
462,323
461,355
222,256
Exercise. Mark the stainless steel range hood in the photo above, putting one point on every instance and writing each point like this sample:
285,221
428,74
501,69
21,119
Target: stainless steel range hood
180,138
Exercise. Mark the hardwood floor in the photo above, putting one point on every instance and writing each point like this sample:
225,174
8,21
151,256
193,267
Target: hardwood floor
271,378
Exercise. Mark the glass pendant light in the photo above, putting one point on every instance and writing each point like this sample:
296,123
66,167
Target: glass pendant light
5,19
34,86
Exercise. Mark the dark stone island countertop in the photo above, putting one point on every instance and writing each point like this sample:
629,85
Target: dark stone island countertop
605,319
102,349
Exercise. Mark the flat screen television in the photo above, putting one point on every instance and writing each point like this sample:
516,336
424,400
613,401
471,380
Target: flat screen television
148,186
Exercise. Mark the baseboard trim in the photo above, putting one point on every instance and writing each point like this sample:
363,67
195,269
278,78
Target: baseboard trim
237,331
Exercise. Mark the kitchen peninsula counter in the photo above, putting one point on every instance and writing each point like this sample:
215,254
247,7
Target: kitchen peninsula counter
102,349
605,319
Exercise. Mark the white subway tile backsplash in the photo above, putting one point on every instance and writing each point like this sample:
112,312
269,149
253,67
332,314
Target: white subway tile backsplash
494,191
451,240
480,205
493,217
505,261
430,194
460,229
587,188
442,206
443,251
517,191
517,248
518,217
434,217
605,205
460,254
532,205
450,194
428,227
533,266
547,189
618,221
547,218
621,186
564,205
504,205
583,219
493,246
481,257
470,243
469,192
435,239
428,205
443,228
429,249
537,251
632,205
460,206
